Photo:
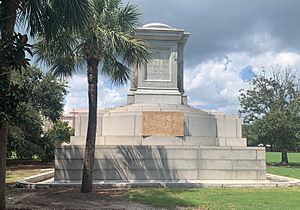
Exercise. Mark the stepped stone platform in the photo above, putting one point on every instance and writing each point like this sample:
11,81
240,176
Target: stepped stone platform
157,137
163,163
124,126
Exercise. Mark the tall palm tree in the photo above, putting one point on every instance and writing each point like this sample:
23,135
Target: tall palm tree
107,41
45,17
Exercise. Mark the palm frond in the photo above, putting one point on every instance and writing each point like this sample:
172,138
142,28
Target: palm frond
51,16
76,13
130,49
33,16
129,18
116,71
62,55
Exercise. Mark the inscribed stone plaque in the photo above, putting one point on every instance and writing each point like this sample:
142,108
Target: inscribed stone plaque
159,66
163,124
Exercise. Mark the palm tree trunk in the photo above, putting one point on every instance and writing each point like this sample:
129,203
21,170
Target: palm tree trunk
92,76
9,20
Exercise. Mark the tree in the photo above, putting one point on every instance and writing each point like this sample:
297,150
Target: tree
43,91
56,135
42,101
271,110
39,16
107,40
12,58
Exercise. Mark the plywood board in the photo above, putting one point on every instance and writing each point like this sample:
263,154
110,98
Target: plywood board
163,124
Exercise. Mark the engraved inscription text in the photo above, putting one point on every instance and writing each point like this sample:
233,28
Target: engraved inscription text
159,67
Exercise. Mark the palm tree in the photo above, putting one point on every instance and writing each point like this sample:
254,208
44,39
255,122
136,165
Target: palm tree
45,17
107,41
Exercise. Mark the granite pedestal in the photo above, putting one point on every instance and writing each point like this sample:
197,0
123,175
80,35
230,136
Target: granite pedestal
158,136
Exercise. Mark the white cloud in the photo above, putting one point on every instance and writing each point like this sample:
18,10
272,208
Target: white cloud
211,85
108,95
214,84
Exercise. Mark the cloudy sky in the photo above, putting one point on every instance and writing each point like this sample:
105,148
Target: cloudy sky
230,39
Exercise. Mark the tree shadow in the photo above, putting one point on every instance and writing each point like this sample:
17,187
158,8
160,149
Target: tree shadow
138,163
161,198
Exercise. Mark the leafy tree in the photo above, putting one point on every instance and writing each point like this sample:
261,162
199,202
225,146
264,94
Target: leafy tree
44,97
271,110
24,133
56,135
108,41
43,91
39,16
12,58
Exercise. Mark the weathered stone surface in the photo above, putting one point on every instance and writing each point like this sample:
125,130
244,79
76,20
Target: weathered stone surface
161,79
162,163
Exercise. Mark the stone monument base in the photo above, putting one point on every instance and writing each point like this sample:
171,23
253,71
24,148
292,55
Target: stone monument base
124,126
165,163
190,144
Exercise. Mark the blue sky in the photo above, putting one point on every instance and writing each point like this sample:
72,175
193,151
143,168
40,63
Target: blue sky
230,41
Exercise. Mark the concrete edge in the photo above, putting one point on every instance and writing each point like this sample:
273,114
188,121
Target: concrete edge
277,178
182,147
272,181
158,184
32,181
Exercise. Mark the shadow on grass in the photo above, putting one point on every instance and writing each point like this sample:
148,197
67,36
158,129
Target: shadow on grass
294,165
162,198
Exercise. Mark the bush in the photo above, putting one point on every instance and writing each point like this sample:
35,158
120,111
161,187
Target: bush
59,133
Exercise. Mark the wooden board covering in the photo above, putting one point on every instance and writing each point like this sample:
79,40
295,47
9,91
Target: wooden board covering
163,124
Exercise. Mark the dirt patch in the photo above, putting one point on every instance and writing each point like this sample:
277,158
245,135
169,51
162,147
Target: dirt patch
60,198
69,198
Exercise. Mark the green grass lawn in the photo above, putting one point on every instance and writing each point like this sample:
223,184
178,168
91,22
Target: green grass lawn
290,171
275,157
20,169
12,176
207,198
235,198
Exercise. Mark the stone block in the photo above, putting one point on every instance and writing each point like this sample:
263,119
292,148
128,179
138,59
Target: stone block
122,140
81,140
248,165
138,128
162,140
227,175
162,174
227,127
202,126
215,164
145,152
240,142
110,175
67,175
261,174
227,154
221,141
69,164
261,154
141,98
197,140
69,152
118,126
83,125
